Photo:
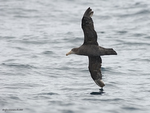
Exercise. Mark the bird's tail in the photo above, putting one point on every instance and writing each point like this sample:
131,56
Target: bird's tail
99,82
110,51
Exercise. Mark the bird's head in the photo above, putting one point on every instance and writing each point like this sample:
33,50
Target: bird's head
73,51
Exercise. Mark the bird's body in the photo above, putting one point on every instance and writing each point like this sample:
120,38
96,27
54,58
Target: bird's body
94,50
91,48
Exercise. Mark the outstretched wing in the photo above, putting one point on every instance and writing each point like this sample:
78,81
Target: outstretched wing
90,35
95,69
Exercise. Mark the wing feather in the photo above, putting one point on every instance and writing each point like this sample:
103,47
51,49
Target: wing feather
90,35
95,70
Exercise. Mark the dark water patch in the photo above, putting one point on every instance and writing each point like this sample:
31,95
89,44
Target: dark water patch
7,37
48,52
21,48
102,32
33,41
68,111
107,69
24,11
84,70
3,102
137,43
70,34
51,93
113,100
41,97
14,73
15,98
130,108
131,43
138,35
148,37
140,60
23,16
143,12
64,68
9,60
122,32
20,85
10,97
55,102
140,4
17,65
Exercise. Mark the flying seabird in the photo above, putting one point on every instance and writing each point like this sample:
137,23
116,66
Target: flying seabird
91,48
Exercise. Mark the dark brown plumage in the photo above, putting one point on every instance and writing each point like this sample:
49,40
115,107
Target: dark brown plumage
91,48
95,70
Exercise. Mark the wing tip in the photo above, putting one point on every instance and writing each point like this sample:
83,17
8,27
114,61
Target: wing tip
99,82
88,13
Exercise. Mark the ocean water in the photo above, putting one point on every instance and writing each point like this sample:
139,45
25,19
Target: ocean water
37,77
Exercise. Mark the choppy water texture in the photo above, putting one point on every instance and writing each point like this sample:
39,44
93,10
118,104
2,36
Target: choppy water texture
37,77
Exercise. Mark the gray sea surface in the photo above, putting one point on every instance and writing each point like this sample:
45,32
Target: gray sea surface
37,77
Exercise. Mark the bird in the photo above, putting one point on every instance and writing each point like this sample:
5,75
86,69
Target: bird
91,48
